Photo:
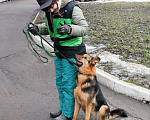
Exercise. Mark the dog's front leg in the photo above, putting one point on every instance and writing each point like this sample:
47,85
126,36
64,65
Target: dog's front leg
88,112
76,110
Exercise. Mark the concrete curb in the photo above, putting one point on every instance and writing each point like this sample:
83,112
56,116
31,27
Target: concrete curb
113,82
123,87
3,1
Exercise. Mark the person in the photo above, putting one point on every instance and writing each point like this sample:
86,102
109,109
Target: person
66,26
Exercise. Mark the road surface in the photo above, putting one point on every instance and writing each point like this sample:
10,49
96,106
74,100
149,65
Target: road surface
27,86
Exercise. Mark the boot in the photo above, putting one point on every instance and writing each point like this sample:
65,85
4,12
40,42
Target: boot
55,114
62,117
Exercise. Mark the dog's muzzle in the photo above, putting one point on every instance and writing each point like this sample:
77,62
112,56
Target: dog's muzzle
78,63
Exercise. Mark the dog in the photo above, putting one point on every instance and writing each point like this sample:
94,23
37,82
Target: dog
88,94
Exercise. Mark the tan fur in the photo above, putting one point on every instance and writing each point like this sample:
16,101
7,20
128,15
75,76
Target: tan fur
87,100
81,100
103,110
87,68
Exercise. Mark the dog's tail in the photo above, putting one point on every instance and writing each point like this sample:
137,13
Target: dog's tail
117,113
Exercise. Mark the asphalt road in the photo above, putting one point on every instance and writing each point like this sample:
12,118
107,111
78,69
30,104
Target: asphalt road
27,86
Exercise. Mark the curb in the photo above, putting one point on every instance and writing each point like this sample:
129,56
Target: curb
3,1
113,82
123,87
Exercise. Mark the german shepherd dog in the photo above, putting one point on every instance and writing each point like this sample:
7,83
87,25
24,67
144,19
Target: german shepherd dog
88,94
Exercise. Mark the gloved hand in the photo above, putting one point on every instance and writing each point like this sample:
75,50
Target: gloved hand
33,29
64,29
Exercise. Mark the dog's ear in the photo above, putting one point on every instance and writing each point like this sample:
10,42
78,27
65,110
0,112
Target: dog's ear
95,60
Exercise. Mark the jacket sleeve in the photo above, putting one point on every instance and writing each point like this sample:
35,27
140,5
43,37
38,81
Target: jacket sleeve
79,25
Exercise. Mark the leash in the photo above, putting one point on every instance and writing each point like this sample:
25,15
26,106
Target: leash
32,41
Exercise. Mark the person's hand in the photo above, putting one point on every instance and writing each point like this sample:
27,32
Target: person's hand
33,29
64,29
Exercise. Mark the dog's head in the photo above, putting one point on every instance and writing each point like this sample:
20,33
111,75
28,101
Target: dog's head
86,63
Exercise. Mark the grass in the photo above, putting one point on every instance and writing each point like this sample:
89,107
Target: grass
40,18
124,27
133,81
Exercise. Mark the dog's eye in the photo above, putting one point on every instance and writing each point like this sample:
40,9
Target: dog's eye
85,57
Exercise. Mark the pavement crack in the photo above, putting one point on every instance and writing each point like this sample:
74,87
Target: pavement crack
7,56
